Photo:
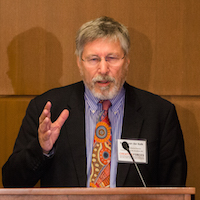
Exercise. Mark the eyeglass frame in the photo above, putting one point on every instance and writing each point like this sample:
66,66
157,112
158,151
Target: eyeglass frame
99,60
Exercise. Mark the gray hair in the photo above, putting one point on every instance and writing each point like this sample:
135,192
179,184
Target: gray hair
103,27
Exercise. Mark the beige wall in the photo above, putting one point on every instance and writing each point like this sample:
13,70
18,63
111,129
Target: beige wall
37,53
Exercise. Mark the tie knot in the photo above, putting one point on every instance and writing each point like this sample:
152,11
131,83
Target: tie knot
106,105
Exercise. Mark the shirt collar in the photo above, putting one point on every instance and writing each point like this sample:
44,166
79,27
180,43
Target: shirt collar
91,100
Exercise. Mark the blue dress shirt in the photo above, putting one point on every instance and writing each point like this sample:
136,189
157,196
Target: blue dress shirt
115,114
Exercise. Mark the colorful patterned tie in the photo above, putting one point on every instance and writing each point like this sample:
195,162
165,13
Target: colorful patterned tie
101,155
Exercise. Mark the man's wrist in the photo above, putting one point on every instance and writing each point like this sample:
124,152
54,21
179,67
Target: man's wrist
48,153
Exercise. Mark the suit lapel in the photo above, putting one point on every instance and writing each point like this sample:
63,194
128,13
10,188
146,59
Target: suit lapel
132,124
76,130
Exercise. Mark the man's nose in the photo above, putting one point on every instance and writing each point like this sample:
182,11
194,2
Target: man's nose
103,67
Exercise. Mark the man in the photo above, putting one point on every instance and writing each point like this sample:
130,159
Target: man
55,142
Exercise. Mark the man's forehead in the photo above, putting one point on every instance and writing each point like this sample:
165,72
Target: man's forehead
103,45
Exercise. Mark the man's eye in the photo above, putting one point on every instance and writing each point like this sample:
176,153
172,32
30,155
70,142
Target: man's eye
93,59
111,59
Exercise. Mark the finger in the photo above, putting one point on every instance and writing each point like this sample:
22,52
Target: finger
62,118
45,125
45,142
46,112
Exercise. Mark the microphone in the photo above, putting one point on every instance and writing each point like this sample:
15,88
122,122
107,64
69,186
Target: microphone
126,147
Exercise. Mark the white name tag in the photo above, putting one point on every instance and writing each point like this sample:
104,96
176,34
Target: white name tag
137,148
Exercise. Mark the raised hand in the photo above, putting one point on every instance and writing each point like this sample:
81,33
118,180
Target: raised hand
49,131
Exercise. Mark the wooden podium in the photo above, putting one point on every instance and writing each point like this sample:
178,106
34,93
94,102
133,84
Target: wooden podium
100,193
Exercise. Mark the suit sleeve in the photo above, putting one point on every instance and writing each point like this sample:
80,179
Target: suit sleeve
27,162
172,159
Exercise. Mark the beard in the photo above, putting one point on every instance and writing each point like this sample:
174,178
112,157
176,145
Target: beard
107,92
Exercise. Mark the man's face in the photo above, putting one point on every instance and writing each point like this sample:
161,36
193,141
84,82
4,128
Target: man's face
103,76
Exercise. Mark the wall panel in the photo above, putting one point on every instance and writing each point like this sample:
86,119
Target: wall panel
164,34
12,111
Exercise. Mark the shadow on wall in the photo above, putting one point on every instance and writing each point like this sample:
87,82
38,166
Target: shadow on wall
35,62
141,60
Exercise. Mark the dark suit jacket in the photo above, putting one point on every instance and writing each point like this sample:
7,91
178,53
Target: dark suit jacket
146,116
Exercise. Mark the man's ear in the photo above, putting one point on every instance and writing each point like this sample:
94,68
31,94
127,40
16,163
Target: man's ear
127,61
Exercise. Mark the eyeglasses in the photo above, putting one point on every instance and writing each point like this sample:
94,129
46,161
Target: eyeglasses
94,60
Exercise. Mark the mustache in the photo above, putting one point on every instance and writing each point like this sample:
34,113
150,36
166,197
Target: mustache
103,78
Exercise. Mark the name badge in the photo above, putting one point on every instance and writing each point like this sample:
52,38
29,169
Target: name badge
137,148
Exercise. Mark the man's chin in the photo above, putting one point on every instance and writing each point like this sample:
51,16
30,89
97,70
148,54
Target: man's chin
105,93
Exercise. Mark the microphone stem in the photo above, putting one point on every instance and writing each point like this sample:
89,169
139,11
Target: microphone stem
137,169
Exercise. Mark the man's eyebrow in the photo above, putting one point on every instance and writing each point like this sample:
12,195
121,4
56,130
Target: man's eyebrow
90,55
